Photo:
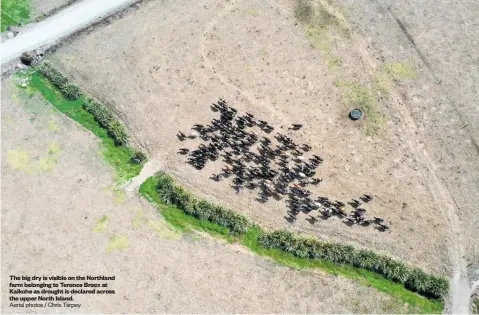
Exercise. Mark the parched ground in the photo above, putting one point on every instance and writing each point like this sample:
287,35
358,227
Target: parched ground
61,215
163,65
443,100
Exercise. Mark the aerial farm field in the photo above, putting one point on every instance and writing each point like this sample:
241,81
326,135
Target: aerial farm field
400,182
163,74
54,178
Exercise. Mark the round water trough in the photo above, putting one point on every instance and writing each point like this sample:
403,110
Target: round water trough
355,114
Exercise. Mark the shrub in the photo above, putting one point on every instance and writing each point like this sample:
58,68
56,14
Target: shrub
418,280
53,75
365,259
71,91
101,113
438,286
105,118
308,247
27,58
138,157
165,188
182,198
398,272
118,132
239,223
201,209
475,306
276,239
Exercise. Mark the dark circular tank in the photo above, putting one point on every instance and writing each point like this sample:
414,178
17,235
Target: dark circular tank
355,114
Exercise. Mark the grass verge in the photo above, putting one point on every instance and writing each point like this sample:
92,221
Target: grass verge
117,156
14,12
179,219
354,95
186,223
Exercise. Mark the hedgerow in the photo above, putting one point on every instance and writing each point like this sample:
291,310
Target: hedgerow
52,74
118,132
414,279
105,118
68,90
170,193
101,113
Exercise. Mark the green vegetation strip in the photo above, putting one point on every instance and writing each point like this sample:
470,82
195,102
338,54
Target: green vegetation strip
170,200
126,161
14,12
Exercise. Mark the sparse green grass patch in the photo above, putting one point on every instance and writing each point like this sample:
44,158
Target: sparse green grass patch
319,37
117,242
322,24
334,63
14,12
364,98
400,71
138,220
381,83
100,225
253,12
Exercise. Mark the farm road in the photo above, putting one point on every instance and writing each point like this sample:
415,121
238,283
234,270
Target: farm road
59,26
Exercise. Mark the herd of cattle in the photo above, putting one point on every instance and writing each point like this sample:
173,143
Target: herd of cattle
277,170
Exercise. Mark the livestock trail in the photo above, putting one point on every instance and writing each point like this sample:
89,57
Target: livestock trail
275,166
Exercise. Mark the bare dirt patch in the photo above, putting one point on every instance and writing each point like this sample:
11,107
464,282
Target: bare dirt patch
44,7
163,73
69,219
443,98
